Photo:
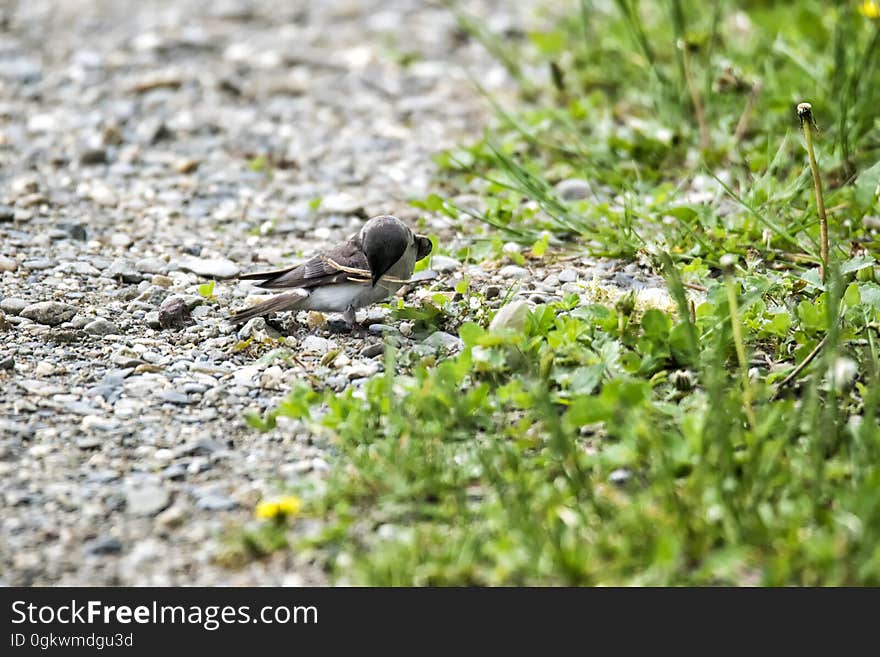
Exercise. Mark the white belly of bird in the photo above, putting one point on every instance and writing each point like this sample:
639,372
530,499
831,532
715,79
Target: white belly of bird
338,298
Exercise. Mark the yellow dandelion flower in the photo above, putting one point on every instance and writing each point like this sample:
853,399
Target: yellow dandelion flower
870,9
278,508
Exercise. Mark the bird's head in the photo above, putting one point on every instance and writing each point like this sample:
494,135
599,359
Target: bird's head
384,240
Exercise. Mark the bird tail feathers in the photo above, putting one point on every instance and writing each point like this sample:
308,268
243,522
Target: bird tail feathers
275,304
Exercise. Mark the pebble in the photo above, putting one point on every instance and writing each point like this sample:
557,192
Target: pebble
511,317
146,500
103,546
151,266
442,340
103,195
209,267
444,264
373,350
100,326
313,344
92,156
13,305
214,502
174,314
51,313
8,264
568,275
513,271
573,189
38,264
175,397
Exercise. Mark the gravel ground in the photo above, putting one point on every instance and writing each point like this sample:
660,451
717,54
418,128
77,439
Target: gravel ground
145,148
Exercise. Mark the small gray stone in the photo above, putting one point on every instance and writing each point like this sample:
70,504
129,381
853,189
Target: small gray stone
312,344
214,502
103,545
38,264
513,271
100,327
8,264
74,231
492,291
151,266
199,447
174,397
444,264
152,319
440,339
619,476
7,213
174,314
573,189
174,472
209,267
373,350
124,270
122,240
13,305
511,317
7,363
568,275
51,313
91,156
146,500
102,194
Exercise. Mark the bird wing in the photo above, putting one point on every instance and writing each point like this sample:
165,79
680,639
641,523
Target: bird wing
344,263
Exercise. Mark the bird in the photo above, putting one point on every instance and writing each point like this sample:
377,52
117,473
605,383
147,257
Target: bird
367,268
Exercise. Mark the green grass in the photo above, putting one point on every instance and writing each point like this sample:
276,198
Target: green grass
730,439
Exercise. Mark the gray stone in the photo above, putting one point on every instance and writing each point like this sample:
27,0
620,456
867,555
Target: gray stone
151,266
568,275
373,350
123,270
8,264
103,546
214,502
511,317
146,500
513,271
573,189
100,326
174,314
51,313
174,397
38,264
209,267
91,156
444,264
313,344
13,305
442,340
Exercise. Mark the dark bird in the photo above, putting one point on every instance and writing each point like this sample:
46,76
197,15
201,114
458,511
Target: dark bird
371,266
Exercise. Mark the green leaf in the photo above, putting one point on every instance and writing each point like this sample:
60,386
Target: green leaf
656,324
852,296
207,289
855,264
870,294
470,333
868,187
587,410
